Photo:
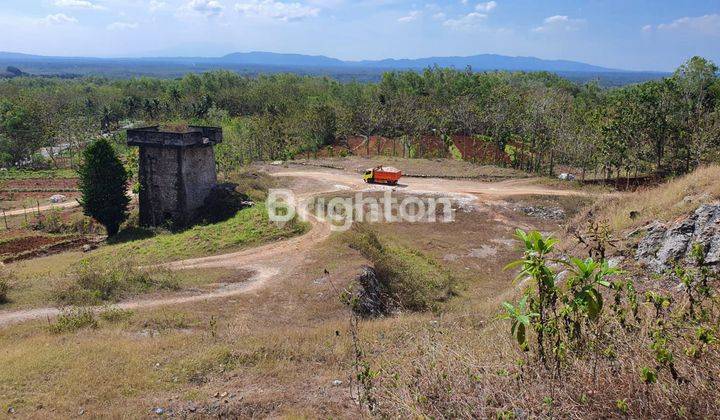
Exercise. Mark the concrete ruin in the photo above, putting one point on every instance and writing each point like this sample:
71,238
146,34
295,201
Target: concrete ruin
177,172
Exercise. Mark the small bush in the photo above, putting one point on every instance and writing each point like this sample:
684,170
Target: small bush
115,314
52,222
98,282
407,277
73,320
4,289
6,283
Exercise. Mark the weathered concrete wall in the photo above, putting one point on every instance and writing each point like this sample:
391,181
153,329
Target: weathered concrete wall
158,185
199,175
174,183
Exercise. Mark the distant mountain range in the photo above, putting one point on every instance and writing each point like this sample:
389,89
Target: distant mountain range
482,62
254,63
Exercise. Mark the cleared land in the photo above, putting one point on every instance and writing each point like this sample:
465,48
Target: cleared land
441,168
274,345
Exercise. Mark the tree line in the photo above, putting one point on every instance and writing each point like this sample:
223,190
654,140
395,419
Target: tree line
539,119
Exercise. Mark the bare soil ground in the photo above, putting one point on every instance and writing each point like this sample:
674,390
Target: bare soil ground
443,168
277,343
17,194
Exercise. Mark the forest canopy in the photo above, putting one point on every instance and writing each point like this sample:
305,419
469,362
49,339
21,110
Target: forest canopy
539,119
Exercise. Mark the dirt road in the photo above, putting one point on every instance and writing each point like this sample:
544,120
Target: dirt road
30,210
274,260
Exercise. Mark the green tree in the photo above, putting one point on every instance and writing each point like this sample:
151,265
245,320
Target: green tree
103,184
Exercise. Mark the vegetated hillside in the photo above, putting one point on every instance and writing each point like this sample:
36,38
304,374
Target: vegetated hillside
667,202
533,121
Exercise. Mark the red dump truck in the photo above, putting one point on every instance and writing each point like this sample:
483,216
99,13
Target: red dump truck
382,175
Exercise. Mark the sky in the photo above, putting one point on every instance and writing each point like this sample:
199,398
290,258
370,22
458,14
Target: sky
625,34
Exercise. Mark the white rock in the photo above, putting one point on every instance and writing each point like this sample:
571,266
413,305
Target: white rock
58,198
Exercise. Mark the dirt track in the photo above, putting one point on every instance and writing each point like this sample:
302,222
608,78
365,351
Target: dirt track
30,210
274,260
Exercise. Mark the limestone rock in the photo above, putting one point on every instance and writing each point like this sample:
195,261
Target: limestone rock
663,245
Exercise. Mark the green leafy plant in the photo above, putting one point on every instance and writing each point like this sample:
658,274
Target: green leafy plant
519,320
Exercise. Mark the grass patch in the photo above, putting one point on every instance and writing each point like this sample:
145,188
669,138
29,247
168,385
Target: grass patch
39,174
73,320
411,279
248,227
96,282
255,184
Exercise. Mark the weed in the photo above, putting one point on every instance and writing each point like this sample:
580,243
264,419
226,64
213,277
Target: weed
6,281
622,406
114,315
72,320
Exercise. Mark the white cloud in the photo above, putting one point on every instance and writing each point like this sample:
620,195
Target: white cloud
439,16
469,21
486,7
559,23
208,8
413,15
156,5
277,10
58,19
705,25
78,4
122,26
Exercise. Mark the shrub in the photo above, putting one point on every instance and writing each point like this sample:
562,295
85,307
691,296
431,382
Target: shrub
407,277
115,314
73,320
4,290
97,282
103,183
52,222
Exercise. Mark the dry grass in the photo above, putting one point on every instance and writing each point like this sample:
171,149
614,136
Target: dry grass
277,351
666,202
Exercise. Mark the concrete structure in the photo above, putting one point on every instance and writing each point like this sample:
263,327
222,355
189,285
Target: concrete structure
177,172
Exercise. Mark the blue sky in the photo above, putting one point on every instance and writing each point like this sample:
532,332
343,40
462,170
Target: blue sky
626,34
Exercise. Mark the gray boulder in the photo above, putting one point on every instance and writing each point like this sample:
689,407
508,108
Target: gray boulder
664,245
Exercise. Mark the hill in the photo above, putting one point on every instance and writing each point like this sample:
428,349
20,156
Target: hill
254,63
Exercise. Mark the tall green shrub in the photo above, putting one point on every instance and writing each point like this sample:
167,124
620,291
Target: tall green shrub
103,184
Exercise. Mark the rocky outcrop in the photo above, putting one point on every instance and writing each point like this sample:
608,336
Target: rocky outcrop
664,244
372,297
